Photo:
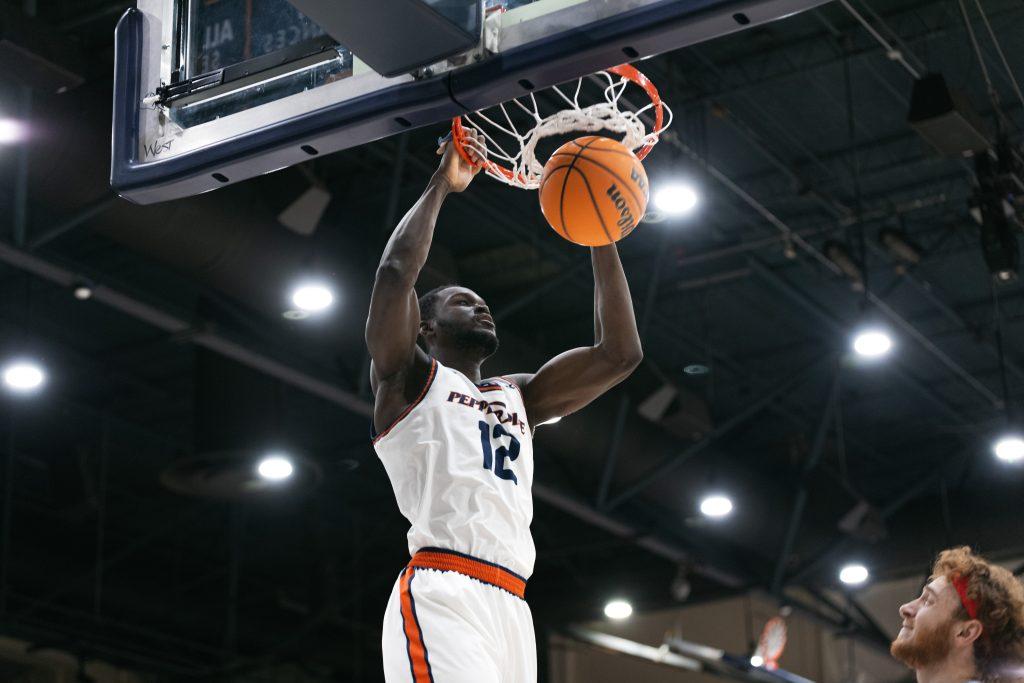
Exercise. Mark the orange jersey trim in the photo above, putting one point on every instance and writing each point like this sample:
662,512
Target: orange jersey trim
481,570
419,664
517,388
408,408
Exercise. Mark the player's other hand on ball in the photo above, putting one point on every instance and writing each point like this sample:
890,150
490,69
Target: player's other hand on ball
456,170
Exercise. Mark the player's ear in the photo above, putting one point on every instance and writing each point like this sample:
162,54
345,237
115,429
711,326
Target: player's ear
970,631
426,327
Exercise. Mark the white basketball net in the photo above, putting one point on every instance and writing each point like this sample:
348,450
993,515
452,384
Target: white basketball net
515,161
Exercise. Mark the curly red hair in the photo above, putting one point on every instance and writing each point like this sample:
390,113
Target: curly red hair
1000,600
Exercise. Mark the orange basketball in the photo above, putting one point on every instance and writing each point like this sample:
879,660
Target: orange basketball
594,191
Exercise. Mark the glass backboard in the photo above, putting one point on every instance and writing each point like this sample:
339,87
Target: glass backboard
212,92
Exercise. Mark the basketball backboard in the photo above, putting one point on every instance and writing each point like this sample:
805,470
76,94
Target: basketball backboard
211,92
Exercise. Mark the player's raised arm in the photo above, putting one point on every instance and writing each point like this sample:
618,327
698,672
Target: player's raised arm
576,377
394,318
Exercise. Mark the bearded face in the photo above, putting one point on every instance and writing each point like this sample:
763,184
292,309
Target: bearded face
469,337
928,625
923,645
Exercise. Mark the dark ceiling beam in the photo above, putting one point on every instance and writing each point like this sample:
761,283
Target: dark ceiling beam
711,563
994,400
72,222
167,441
611,456
800,184
875,203
563,278
839,625
804,302
805,43
818,256
840,51
903,56
844,213
886,203
818,61
674,461
122,379
841,542
876,145
170,523
929,292
796,513
743,247
866,618
862,621
185,330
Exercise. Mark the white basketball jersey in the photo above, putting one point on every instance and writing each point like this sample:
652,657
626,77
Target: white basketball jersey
460,460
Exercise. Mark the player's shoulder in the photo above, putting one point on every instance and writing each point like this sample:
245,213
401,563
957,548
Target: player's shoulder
518,380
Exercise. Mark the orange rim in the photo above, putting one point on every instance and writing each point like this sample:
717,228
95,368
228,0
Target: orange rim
627,71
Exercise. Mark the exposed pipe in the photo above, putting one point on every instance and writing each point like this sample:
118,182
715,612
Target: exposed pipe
184,330
890,51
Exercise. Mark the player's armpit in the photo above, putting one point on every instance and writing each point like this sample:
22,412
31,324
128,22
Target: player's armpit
570,381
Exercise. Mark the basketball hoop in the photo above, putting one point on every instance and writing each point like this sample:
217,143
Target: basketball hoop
515,161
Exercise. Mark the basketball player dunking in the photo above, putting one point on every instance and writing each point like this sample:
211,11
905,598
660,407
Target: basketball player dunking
459,451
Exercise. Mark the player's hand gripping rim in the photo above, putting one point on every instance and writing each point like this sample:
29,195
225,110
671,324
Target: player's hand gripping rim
455,170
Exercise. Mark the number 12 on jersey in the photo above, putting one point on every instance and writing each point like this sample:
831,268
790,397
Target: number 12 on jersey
494,458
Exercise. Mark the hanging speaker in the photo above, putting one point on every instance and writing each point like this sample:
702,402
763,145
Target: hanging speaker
945,118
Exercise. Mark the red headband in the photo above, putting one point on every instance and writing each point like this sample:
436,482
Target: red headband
960,584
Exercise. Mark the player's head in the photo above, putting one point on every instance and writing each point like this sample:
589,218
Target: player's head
970,611
456,319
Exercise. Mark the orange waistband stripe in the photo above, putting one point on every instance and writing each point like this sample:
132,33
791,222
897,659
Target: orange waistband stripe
481,570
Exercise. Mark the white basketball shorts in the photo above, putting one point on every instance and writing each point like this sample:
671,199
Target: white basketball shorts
455,619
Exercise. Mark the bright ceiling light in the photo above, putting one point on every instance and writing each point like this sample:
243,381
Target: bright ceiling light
312,297
275,468
618,609
715,506
675,199
23,376
853,574
1009,448
757,660
11,131
872,343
